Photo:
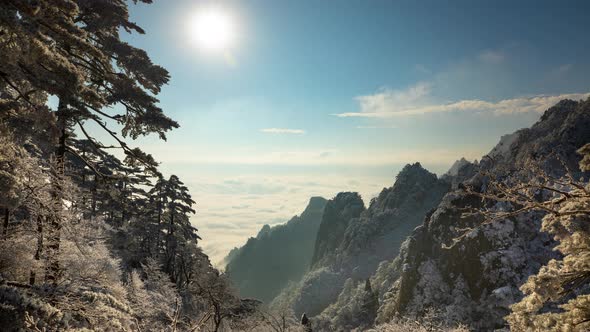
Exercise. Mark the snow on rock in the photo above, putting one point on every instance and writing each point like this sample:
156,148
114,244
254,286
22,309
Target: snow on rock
502,149
471,267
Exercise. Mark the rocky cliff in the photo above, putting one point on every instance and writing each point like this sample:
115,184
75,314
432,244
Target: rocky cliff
468,269
339,213
424,246
352,241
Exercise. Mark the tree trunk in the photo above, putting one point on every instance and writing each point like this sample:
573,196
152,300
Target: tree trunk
84,182
52,268
217,318
93,213
39,250
6,220
158,241
160,209
171,222
123,202
169,249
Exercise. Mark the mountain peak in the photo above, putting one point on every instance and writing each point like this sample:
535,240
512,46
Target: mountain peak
316,203
347,197
454,170
337,215
413,173
560,110
264,230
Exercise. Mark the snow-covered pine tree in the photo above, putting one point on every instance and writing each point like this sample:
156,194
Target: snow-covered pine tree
178,209
557,298
73,51
89,216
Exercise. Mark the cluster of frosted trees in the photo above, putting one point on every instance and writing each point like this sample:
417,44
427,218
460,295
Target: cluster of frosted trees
557,298
93,236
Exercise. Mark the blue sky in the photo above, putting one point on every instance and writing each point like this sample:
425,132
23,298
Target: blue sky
316,97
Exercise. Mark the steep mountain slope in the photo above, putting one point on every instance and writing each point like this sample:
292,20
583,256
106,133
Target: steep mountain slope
264,265
352,241
471,270
378,233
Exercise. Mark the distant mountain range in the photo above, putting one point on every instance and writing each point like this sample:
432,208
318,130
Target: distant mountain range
415,245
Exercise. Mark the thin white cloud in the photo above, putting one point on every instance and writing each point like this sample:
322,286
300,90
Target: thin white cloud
392,100
564,68
419,99
492,57
382,105
283,131
388,100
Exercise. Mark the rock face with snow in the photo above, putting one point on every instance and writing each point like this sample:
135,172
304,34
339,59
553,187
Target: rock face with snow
471,270
378,233
352,241
460,171
279,254
423,245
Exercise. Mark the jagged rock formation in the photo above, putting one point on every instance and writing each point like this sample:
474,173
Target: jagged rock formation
377,235
265,264
460,171
454,170
454,263
353,241
338,215
356,240
472,270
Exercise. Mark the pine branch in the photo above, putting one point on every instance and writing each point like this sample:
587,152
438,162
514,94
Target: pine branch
89,164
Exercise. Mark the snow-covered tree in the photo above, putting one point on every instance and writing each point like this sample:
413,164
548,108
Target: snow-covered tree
73,51
557,298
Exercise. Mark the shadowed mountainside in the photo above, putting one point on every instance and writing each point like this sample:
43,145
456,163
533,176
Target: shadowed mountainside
277,255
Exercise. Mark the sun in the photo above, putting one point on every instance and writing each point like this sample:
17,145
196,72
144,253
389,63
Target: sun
213,29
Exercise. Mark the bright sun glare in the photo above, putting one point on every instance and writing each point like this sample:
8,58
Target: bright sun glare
213,29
